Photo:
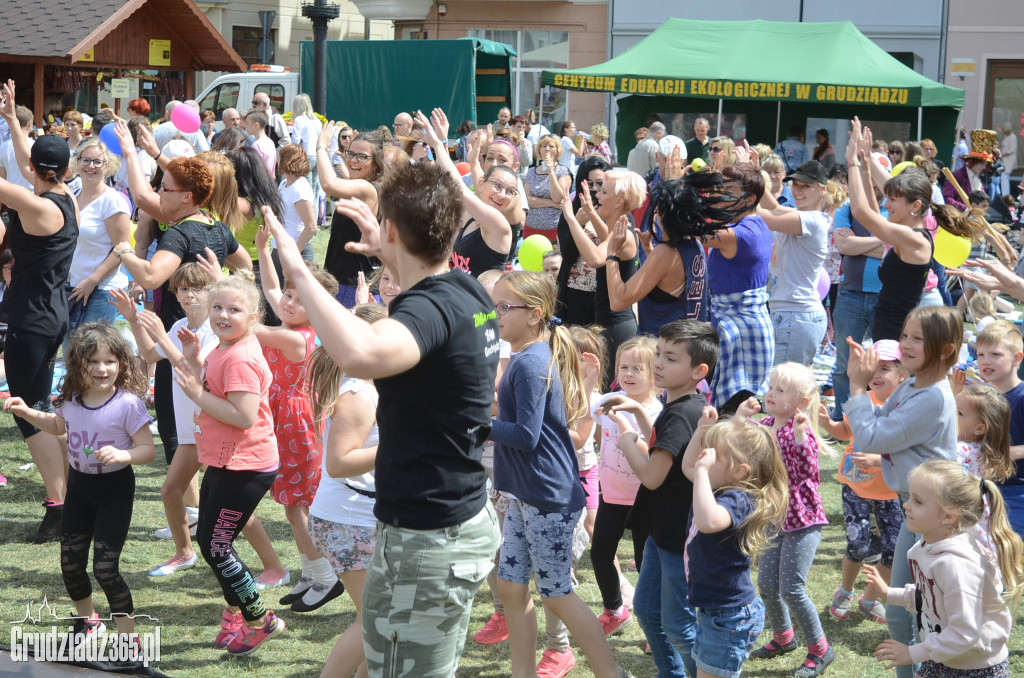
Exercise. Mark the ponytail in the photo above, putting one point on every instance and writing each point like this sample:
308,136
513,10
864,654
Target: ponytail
1009,549
566,359
970,223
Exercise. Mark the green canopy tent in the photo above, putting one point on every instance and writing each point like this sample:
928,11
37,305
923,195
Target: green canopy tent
778,73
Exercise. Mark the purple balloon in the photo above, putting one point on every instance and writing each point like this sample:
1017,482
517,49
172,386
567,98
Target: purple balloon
824,284
108,135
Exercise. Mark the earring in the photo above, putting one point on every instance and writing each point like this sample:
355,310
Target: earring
913,214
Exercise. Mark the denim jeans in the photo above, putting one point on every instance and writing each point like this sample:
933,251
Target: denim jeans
96,308
798,334
660,604
725,636
902,625
852,317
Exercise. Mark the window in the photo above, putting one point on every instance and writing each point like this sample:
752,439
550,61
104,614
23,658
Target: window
276,94
224,95
538,50
1004,107
246,39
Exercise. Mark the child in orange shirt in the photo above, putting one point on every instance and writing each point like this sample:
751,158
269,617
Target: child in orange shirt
864,493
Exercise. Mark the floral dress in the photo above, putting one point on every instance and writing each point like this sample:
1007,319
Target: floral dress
299,474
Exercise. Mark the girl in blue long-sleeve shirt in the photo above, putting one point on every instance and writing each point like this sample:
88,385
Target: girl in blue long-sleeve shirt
540,396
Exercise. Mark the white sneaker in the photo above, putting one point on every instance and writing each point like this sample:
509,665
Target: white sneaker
193,523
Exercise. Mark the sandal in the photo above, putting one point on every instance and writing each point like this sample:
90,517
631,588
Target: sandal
772,649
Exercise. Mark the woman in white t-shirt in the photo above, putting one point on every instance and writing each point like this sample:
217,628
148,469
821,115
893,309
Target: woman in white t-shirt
306,128
104,221
297,199
341,521
571,153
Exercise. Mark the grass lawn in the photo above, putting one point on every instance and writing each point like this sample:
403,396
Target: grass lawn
188,604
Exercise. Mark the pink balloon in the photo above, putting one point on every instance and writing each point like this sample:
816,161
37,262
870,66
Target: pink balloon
185,118
824,283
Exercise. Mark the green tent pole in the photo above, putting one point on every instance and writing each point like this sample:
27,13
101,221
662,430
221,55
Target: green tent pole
718,131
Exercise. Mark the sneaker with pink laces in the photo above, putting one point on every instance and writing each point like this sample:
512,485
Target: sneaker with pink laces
613,623
494,631
230,623
555,664
248,639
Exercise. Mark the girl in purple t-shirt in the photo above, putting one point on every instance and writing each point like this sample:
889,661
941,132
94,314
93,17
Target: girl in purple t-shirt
107,428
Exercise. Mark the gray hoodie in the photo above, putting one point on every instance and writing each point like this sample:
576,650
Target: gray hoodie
911,427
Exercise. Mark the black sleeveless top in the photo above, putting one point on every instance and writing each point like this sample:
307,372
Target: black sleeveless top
186,239
902,285
35,301
472,254
603,313
339,262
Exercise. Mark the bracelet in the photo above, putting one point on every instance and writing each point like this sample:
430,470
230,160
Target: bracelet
855,164
124,251
613,257
128,153
321,147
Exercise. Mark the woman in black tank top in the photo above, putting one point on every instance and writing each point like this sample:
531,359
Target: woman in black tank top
485,238
908,199
362,166
42,235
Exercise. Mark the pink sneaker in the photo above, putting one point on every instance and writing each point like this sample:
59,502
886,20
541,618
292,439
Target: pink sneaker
613,623
555,664
230,623
248,639
494,631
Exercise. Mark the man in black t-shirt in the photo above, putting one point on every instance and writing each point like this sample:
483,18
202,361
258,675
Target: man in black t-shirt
433,361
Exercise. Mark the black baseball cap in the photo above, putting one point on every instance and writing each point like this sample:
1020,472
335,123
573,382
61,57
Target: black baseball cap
51,152
810,172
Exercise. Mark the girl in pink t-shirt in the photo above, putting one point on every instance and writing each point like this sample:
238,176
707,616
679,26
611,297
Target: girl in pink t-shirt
107,429
634,372
235,439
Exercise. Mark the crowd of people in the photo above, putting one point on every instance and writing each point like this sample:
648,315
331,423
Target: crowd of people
430,413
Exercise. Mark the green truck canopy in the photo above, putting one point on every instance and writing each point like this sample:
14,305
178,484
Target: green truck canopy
760,61
370,81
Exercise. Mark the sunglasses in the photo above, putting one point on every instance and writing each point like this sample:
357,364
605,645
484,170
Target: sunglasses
164,189
716,149
346,137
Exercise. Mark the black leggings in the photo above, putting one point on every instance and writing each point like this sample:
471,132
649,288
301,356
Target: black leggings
609,527
98,511
28,358
226,501
163,404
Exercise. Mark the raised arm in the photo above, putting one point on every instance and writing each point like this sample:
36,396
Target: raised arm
623,294
331,183
143,194
361,350
593,255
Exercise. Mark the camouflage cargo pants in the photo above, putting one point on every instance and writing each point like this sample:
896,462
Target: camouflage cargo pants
419,594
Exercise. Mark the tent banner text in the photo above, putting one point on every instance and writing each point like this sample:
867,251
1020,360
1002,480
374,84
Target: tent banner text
730,89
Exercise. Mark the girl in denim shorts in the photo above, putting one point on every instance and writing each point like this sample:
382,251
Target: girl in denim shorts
739,491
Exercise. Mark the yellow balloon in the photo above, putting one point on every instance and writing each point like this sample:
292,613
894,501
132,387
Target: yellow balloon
532,251
951,250
902,166
131,233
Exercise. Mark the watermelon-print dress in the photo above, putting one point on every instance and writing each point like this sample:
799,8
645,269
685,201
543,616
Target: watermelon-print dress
299,474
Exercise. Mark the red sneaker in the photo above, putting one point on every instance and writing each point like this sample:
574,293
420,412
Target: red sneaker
230,624
555,664
613,623
248,639
494,631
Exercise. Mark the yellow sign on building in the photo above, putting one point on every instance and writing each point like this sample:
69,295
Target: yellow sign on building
159,52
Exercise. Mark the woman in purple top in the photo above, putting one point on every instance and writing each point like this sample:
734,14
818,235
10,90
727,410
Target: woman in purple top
738,261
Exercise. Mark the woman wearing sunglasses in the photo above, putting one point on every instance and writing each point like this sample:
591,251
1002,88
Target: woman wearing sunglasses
364,165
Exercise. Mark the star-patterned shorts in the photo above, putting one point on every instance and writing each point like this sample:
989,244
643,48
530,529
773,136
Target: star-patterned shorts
538,541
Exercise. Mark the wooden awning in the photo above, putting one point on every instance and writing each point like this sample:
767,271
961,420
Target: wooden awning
115,34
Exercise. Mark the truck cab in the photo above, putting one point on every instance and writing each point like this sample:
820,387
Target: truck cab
236,90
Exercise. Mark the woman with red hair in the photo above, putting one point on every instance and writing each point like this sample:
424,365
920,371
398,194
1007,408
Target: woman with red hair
138,106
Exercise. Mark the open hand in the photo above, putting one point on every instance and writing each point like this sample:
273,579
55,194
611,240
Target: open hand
893,652
124,304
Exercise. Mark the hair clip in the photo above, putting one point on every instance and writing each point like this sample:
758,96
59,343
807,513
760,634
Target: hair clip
554,322
982,486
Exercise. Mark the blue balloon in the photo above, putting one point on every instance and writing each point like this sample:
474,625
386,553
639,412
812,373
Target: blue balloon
108,135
